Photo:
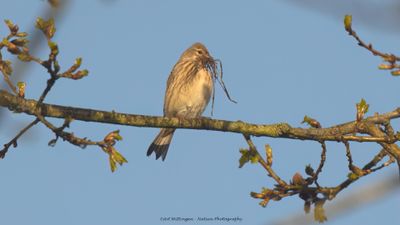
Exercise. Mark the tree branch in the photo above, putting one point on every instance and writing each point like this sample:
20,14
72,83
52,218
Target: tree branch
340,132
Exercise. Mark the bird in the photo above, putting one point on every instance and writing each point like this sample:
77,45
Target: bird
189,88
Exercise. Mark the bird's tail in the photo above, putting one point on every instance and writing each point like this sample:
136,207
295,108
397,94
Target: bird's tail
161,143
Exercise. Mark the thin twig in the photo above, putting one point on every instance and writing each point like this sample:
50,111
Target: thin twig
13,141
321,164
348,155
377,158
266,166
50,84
9,83
71,138
370,48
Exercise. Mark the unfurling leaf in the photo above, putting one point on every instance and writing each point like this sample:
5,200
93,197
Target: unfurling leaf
319,211
21,89
312,122
247,155
114,158
46,26
347,22
362,108
112,137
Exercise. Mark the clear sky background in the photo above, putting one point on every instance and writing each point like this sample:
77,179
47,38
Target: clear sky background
281,61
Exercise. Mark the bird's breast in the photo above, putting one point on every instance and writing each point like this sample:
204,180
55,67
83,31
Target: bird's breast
192,98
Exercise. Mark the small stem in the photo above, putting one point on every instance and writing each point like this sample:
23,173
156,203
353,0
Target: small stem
321,164
348,155
375,160
266,166
14,140
50,83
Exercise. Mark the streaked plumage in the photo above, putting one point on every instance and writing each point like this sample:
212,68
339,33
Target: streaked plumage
189,88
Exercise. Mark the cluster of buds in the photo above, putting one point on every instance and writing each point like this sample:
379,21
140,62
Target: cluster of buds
266,195
16,42
389,59
72,72
390,65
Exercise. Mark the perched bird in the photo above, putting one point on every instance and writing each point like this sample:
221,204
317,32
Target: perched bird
189,88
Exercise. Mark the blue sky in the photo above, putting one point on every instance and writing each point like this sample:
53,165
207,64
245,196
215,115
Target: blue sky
281,62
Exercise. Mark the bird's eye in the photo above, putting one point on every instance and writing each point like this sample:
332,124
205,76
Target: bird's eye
199,52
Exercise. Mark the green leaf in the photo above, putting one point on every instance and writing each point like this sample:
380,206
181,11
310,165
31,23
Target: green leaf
247,155
114,157
362,106
113,165
119,158
319,212
117,136
244,158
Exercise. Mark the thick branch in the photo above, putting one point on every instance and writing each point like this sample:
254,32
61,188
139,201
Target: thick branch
336,133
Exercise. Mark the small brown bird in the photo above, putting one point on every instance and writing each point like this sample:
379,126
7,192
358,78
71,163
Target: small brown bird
189,88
